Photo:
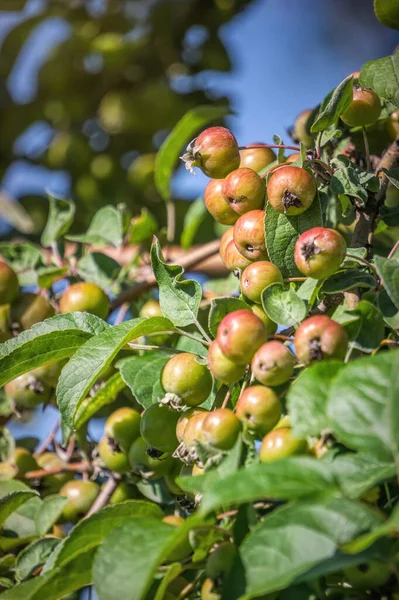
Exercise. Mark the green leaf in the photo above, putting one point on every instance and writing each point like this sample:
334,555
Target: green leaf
100,269
347,280
182,133
142,374
346,180
220,307
93,358
295,537
34,556
388,270
143,227
307,398
359,402
308,291
393,176
49,513
24,258
286,479
193,219
173,571
283,305
390,527
107,227
105,395
282,233
372,328
357,473
53,339
382,76
335,103
7,445
180,300
47,275
388,310
12,501
60,218
355,252
387,12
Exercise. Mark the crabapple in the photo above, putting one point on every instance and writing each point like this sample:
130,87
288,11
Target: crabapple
151,308
273,364
141,462
29,309
221,367
221,428
124,491
233,259
221,561
81,495
188,379
183,548
224,240
214,151
259,408
280,443
9,286
364,109
240,334
123,427
319,252
24,461
217,205
184,419
193,431
50,460
112,457
301,131
256,277
85,297
319,337
291,190
158,427
27,390
249,235
256,158
243,190
368,575
271,326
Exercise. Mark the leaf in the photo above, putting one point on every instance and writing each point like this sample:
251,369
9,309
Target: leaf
345,181
105,395
142,374
390,527
93,358
100,269
7,445
60,218
107,227
90,533
282,233
372,327
351,261
182,133
53,339
309,290
24,258
286,479
12,501
382,76
388,310
220,307
295,537
335,103
49,513
283,305
180,300
387,12
357,473
393,176
359,401
34,556
347,280
388,270
193,219
173,571
143,227
307,398
46,276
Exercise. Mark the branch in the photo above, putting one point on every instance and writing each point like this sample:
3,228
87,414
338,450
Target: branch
104,496
48,440
81,467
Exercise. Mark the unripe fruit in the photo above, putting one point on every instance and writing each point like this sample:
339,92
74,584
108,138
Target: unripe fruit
319,252
221,428
151,308
224,240
220,561
243,190
256,158
392,196
318,338
5,323
141,462
240,334
184,419
215,152
124,491
280,443
9,286
368,575
256,277
81,495
123,427
112,457
221,367
184,376
24,461
233,259
259,409
50,460
217,205
283,422
194,430
291,158
301,132
85,297
158,427
30,309
249,235
291,190
364,109
271,326
49,373
196,470
392,125
183,549
27,390
273,364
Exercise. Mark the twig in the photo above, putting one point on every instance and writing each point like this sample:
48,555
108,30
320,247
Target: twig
48,439
282,338
297,148
294,279
363,261
366,149
392,252
171,221
289,331
122,313
104,496
192,336
227,397
81,467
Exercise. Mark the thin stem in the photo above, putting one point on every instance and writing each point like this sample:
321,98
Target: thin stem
363,261
227,397
392,252
202,330
121,313
48,440
171,221
297,148
56,255
81,467
192,336
104,497
282,338
366,148
167,349
294,279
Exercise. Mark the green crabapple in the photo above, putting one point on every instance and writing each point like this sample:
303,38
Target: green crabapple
364,109
221,428
259,408
9,286
85,297
280,443
221,367
188,379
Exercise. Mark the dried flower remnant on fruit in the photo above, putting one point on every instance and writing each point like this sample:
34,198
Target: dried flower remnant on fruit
289,199
214,151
